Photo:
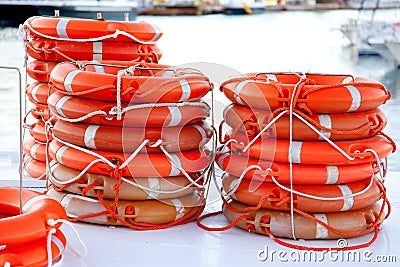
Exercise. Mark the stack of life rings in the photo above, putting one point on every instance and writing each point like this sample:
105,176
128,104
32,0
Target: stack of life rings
129,138
30,236
50,40
304,156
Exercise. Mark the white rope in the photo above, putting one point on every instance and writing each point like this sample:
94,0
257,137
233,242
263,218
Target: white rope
53,223
114,110
82,118
23,33
382,172
128,71
324,136
324,198
87,151
49,250
179,167
263,130
302,78
74,179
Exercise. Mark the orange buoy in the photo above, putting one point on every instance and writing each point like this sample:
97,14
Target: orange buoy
142,165
154,212
59,51
342,197
38,92
40,70
35,253
278,223
89,184
35,169
335,126
316,93
38,131
20,229
143,82
262,170
34,149
125,139
91,30
315,152
40,112
148,115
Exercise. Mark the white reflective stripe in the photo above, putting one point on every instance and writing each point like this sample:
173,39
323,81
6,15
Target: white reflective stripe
177,162
98,50
60,153
69,80
33,149
348,200
228,108
176,116
31,201
154,184
272,77
237,90
355,95
186,90
170,72
333,174
61,28
98,68
325,120
58,243
90,134
356,98
296,152
232,186
60,104
65,200
34,92
321,231
157,32
180,209
203,134
222,158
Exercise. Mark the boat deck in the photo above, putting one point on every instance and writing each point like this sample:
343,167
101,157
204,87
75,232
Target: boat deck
190,245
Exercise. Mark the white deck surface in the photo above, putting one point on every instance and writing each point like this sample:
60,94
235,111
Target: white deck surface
189,245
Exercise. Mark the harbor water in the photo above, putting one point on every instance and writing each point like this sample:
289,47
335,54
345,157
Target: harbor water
222,46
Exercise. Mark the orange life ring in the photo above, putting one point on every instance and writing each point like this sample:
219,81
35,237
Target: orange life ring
335,126
126,139
35,169
34,149
319,93
68,107
20,229
301,173
148,187
252,192
278,223
147,211
40,112
38,92
316,152
38,131
148,83
59,51
143,165
40,70
85,29
35,253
